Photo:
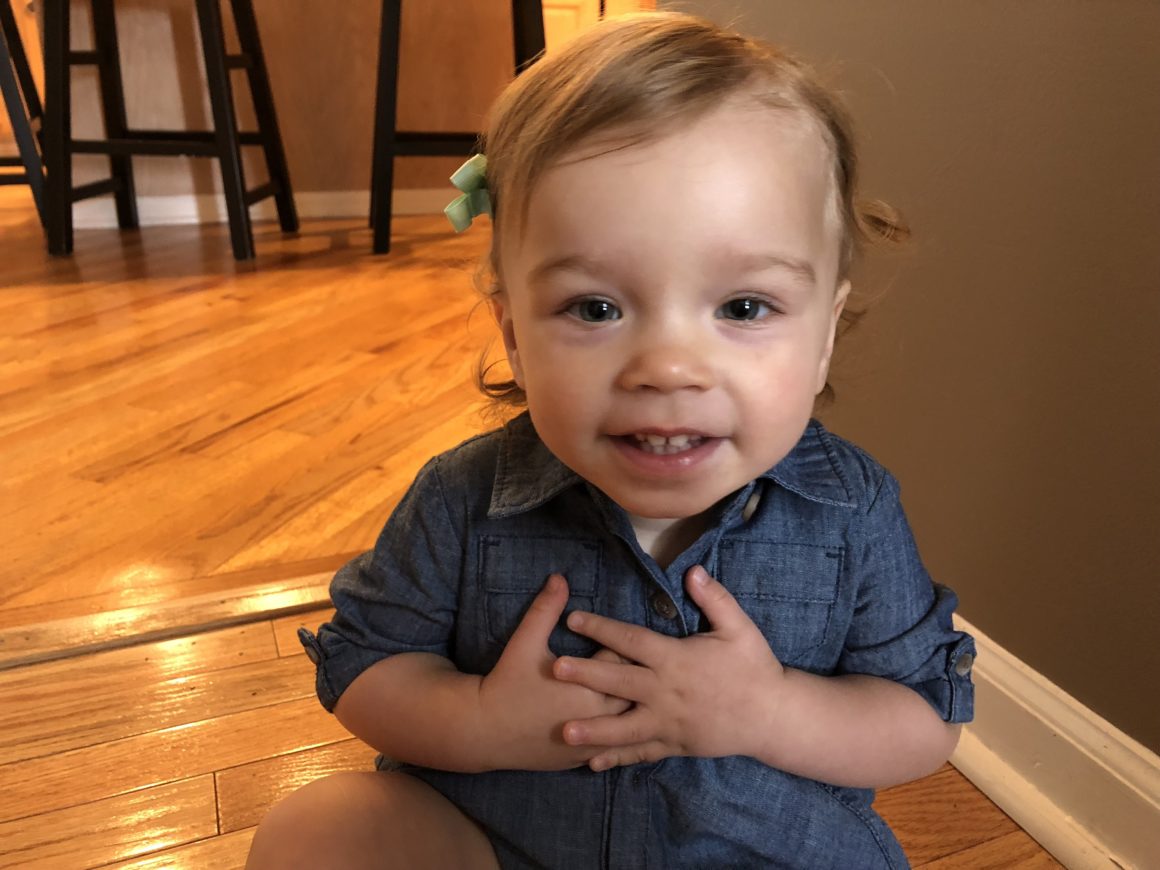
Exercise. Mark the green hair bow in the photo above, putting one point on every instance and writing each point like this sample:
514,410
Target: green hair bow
471,178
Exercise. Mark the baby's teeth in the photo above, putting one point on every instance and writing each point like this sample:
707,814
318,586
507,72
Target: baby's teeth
654,443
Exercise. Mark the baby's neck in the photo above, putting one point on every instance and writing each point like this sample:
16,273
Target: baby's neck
665,539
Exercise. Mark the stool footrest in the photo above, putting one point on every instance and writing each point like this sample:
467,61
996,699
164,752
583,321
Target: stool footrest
13,178
84,58
95,188
11,161
161,142
259,193
238,61
412,144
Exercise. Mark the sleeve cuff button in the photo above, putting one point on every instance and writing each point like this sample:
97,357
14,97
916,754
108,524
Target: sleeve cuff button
964,664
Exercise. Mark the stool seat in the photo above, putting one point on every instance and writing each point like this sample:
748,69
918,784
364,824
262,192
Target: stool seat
389,142
120,143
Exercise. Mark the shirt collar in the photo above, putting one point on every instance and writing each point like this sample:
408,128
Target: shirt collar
528,474
813,471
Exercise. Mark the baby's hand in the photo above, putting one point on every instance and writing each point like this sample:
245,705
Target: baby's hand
523,706
709,694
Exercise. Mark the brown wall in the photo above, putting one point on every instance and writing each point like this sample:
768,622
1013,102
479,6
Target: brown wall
1010,374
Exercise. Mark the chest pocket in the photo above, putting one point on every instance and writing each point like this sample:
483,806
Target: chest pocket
788,590
512,571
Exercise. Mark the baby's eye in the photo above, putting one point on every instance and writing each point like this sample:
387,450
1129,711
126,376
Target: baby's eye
594,310
745,308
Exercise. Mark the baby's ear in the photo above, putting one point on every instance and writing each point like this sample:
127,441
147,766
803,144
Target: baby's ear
840,297
501,311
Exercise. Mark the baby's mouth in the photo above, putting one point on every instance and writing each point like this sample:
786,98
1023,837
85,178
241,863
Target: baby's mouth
663,445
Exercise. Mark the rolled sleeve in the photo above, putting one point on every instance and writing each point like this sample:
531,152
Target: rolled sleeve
400,597
902,628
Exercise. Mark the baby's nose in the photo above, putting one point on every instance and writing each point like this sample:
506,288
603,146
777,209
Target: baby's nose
667,368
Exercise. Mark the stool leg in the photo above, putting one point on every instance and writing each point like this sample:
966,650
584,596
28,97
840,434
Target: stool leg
383,155
528,31
225,127
20,62
263,97
113,109
57,127
15,103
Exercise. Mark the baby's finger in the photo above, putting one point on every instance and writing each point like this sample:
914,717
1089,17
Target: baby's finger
545,611
627,729
630,682
604,654
621,756
630,641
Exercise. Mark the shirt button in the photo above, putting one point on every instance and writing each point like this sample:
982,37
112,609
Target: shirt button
964,664
663,606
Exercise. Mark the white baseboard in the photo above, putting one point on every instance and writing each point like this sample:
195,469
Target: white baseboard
1089,793
207,209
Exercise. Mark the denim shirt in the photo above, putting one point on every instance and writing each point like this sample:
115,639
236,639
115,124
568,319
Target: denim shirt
817,551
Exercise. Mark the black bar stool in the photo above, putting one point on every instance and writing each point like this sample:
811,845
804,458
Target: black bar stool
24,109
222,142
389,142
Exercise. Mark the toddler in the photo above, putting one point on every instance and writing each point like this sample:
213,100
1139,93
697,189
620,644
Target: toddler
663,618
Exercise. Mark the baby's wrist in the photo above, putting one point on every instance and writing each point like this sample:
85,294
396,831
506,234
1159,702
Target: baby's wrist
778,717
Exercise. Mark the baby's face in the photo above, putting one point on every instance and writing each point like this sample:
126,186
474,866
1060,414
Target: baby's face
670,307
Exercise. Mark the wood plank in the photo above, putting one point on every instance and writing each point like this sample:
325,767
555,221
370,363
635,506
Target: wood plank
246,793
92,834
159,660
225,852
286,629
71,713
132,625
150,590
1014,851
940,814
25,729
51,782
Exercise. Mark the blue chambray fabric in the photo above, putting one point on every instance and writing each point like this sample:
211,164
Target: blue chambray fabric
826,566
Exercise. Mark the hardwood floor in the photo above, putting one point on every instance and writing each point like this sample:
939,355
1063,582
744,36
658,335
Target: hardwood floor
189,447
167,754
173,423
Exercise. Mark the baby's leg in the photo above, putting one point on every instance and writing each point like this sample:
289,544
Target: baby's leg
368,819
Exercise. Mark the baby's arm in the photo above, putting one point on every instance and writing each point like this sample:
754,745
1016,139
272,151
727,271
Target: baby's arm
418,708
855,730
723,692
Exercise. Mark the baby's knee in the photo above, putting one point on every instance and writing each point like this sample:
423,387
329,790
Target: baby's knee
368,819
312,827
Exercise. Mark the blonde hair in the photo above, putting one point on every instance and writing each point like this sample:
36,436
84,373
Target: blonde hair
630,80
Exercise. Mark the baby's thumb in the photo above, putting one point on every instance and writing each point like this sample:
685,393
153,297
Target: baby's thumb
715,601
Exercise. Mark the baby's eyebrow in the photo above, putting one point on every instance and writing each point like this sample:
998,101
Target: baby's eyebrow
737,262
760,262
567,263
